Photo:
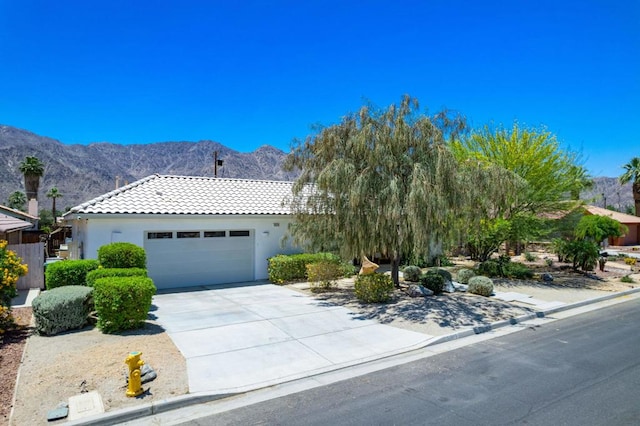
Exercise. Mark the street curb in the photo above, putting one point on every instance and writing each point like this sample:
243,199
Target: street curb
133,413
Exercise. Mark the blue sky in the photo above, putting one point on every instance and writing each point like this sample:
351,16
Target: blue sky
249,73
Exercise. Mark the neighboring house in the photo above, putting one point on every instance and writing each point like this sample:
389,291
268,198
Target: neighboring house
195,230
632,237
13,222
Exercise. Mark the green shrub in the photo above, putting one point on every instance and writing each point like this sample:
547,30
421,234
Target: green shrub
322,275
446,275
490,268
518,270
122,255
548,262
583,254
61,309
529,257
630,261
374,288
464,275
122,303
412,273
561,248
480,285
92,276
433,281
284,268
627,279
69,272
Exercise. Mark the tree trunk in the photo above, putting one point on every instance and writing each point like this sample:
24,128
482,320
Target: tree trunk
636,196
31,184
395,270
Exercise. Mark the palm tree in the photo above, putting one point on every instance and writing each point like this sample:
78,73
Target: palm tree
632,174
17,200
32,169
53,194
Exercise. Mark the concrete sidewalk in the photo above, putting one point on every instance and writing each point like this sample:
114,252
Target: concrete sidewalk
250,336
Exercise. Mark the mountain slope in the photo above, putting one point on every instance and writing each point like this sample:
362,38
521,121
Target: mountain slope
82,172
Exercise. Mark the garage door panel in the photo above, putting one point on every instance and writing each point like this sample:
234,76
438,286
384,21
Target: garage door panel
184,262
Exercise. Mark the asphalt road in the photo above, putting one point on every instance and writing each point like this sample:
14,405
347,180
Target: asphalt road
584,370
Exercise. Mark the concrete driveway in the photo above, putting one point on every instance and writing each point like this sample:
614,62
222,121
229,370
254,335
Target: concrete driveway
247,336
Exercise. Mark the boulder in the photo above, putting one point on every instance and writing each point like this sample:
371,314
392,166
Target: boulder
416,290
460,287
368,267
449,287
546,277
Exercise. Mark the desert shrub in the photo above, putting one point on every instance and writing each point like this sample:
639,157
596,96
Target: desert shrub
548,262
464,274
561,248
284,268
322,275
373,288
583,254
122,303
446,275
96,274
122,255
490,268
630,261
11,268
480,285
627,279
517,270
69,272
6,320
412,273
529,257
433,281
61,309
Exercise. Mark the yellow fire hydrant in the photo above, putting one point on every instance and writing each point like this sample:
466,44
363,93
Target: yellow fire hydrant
134,362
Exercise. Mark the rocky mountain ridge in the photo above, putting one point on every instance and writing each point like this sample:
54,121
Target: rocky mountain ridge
83,172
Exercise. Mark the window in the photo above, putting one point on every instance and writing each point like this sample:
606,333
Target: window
159,235
239,233
188,234
215,234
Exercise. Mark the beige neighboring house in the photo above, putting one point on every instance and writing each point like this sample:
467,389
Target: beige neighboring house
632,237
13,222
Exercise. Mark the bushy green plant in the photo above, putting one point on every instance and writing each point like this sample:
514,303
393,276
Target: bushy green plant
374,288
412,273
583,254
11,268
490,268
122,303
61,309
548,262
433,281
464,275
122,255
322,275
480,285
630,261
92,276
517,270
69,272
627,279
561,248
446,275
285,268
529,257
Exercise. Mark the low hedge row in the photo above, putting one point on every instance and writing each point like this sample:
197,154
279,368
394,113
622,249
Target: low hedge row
69,272
113,272
283,268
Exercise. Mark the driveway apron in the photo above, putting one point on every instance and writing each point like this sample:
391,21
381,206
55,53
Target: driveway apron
245,337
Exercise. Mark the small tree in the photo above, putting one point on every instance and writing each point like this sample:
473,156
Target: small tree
32,169
597,228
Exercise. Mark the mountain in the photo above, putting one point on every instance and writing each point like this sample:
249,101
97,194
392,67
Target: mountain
83,172
608,190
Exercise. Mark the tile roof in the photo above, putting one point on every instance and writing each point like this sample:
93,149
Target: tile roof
620,217
191,195
9,223
16,213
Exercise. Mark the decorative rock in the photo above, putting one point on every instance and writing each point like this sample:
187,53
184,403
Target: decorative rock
368,267
449,287
460,287
547,277
60,412
416,290
147,374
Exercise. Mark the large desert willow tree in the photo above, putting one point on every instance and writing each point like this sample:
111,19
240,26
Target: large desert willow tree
632,174
379,182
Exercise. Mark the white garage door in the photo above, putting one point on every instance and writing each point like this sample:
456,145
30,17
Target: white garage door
203,257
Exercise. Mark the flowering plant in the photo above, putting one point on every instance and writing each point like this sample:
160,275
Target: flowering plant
11,268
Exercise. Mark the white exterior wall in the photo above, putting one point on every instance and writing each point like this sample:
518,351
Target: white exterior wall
90,232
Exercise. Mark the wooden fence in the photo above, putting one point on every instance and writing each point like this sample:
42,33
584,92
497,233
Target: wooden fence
33,255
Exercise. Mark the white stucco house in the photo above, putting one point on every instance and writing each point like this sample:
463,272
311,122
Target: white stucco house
195,230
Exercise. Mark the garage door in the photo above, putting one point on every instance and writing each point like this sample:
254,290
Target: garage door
202,257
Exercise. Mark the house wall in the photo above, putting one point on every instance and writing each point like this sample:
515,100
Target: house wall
92,232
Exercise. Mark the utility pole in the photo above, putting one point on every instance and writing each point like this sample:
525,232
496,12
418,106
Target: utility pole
216,163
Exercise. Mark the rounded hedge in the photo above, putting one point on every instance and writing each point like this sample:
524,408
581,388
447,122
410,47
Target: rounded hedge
374,288
433,281
480,285
122,255
412,273
68,272
464,275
